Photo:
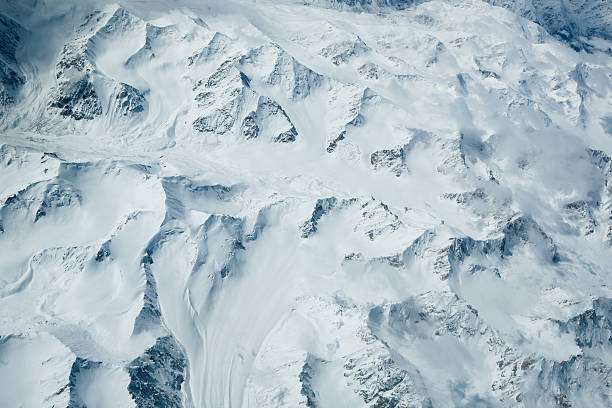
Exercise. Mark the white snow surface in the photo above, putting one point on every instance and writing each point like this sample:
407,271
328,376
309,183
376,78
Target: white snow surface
321,204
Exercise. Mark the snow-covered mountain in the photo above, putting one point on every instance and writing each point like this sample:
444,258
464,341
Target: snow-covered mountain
320,203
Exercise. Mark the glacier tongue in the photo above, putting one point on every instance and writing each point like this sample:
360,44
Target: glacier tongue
321,203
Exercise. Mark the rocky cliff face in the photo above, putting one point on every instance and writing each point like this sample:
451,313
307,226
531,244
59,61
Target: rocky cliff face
568,20
11,77
317,204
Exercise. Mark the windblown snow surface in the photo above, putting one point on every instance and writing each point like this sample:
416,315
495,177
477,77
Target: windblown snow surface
264,203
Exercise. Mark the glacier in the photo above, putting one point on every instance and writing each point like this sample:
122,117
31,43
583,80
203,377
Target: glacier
306,203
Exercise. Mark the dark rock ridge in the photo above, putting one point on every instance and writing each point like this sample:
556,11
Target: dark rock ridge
306,376
378,376
129,100
77,100
80,366
217,45
233,227
585,373
393,159
58,195
149,317
221,96
602,203
10,37
377,219
466,197
382,383
568,20
11,77
322,206
104,252
354,115
365,5
357,121
154,37
582,211
592,328
269,114
343,52
433,314
157,376
75,95
39,199
228,231
519,231
580,375
294,79
224,97
443,314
